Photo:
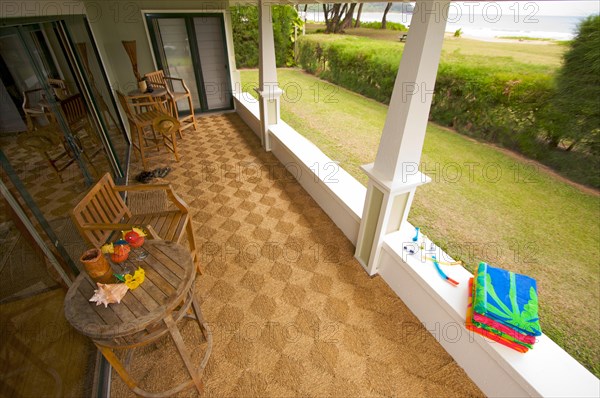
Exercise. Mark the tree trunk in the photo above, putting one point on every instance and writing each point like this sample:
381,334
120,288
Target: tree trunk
338,16
326,12
385,12
347,23
357,23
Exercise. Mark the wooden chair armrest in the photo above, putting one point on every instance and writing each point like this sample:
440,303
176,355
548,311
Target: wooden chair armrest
139,97
110,227
123,227
152,232
142,187
173,197
185,88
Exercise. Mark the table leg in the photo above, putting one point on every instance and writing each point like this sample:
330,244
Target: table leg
183,352
131,383
118,366
201,322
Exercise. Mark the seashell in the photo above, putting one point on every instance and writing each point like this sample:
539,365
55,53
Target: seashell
109,293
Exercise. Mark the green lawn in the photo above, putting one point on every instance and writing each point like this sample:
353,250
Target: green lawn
483,204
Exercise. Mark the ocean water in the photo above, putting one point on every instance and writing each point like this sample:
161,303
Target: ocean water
488,24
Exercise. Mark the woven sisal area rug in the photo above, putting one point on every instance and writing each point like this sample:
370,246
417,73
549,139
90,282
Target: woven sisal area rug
292,313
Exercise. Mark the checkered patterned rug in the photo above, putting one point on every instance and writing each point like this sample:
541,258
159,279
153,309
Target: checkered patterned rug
291,311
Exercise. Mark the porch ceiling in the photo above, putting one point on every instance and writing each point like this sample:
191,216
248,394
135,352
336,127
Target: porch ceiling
291,311
275,2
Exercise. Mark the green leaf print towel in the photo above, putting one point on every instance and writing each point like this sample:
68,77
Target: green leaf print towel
508,298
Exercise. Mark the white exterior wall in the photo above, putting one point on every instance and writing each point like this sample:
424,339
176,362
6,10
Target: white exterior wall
37,8
115,21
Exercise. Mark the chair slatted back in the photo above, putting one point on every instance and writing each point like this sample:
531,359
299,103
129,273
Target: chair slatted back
60,88
101,205
73,109
156,78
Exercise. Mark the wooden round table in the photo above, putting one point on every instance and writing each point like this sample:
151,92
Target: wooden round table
144,314
157,92
159,95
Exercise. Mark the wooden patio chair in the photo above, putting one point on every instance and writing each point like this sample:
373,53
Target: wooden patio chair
76,116
48,141
142,111
60,88
176,94
102,212
34,111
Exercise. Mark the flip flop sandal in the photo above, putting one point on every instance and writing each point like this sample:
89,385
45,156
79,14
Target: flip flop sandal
165,171
162,172
144,177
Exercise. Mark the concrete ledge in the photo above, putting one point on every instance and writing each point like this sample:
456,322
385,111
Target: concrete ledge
249,110
546,371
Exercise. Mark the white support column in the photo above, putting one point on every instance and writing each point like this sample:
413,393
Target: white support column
394,176
268,90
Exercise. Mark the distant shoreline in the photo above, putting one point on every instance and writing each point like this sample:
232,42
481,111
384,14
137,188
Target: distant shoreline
478,27
532,40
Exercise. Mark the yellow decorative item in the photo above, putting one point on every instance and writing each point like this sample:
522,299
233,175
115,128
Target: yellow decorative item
134,281
138,231
108,248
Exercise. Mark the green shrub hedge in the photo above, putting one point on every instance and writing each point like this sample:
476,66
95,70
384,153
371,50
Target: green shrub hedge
244,22
377,25
362,68
506,102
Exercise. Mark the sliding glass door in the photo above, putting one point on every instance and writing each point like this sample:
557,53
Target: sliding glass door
95,88
193,47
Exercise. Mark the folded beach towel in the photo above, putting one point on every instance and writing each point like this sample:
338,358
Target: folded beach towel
470,325
484,320
510,335
508,298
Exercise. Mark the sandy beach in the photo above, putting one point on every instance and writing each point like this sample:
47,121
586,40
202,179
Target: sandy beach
503,40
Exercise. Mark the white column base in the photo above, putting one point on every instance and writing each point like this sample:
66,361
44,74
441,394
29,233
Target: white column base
386,210
269,103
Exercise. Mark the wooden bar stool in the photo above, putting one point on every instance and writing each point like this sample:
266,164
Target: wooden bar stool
177,92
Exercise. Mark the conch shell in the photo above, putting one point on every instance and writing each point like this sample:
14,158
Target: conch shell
109,293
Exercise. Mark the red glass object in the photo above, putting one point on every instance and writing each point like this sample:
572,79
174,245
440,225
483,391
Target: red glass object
120,254
134,239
